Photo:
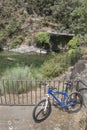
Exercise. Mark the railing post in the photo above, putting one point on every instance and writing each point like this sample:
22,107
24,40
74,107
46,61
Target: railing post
4,92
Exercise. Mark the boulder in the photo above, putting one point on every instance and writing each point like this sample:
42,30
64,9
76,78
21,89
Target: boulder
81,68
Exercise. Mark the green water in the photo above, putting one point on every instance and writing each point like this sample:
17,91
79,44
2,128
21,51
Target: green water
20,60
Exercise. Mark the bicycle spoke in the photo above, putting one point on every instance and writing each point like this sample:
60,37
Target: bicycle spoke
38,113
74,101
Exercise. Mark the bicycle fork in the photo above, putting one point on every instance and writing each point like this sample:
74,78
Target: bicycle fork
47,100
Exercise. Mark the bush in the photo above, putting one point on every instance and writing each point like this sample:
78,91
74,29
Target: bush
12,27
43,40
73,55
17,41
51,69
58,63
74,42
83,39
3,38
54,66
28,41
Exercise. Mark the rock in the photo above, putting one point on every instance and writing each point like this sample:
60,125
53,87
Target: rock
28,49
84,57
81,68
10,59
86,124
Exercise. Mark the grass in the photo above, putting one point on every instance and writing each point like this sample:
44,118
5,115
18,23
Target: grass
19,79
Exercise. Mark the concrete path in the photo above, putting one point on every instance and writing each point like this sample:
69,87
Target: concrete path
20,118
16,117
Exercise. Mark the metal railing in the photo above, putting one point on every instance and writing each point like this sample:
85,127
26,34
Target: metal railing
24,92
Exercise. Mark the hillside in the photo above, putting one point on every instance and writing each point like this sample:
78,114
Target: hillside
21,20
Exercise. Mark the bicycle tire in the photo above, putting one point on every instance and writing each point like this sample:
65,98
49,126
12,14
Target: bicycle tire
45,115
83,91
74,102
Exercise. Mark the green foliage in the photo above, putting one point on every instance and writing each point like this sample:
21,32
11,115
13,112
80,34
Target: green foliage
3,38
70,16
83,39
43,39
77,41
28,41
16,41
57,64
21,73
54,66
9,30
74,42
51,69
75,52
73,55
78,18
41,7
12,27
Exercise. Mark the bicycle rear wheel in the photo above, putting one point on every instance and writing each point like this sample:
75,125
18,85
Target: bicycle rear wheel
74,102
83,91
41,110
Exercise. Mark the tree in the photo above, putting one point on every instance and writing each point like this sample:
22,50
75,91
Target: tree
40,7
79,18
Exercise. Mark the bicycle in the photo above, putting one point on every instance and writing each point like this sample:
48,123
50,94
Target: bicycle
72,103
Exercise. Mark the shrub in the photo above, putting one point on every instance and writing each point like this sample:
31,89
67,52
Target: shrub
17,41
43,40
12,27
74,42
74,52
3,37
83,39
52,71
73,55
28,41
53,67
58,63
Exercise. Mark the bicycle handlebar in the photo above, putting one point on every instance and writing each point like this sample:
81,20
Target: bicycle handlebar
44,84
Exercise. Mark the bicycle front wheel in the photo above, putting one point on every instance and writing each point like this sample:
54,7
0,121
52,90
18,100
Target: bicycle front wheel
42,110
74,102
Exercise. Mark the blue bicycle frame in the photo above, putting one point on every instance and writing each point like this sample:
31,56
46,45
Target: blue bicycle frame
61,103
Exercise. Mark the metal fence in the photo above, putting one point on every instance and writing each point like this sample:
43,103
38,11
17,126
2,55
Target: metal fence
25,92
